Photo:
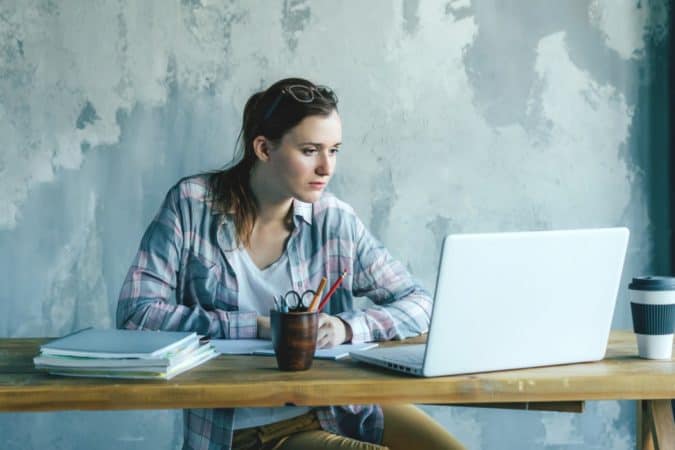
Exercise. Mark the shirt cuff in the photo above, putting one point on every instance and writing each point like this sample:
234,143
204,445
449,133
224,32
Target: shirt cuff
241,325
357,321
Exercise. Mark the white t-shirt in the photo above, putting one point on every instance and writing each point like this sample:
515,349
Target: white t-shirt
256,291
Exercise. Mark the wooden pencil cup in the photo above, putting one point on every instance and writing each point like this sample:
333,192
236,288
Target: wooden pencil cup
294,338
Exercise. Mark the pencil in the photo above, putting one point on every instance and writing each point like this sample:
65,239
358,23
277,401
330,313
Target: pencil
332,291
315,300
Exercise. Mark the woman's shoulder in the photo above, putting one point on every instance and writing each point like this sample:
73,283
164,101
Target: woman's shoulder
193,188
329,202
336,212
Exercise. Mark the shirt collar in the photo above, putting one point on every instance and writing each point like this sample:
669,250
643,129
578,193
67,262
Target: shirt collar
302,210
226,233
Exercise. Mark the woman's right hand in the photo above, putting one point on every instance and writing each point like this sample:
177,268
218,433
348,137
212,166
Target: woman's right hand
264,329
332,331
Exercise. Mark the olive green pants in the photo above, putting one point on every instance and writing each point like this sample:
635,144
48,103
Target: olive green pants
405,427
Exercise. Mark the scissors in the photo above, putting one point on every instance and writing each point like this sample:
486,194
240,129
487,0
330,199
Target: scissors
299,302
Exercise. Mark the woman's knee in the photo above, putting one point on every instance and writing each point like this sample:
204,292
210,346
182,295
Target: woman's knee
406,426
319,439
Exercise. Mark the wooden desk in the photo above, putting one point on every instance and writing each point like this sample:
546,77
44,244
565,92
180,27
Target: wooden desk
232,381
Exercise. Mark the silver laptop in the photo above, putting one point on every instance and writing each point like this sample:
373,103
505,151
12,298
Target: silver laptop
514,300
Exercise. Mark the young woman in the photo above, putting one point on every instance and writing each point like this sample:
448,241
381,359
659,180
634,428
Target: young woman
223,244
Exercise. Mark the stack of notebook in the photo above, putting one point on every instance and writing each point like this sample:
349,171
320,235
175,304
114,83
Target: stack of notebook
123,354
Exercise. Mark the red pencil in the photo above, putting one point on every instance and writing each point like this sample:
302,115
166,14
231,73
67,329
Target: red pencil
333,288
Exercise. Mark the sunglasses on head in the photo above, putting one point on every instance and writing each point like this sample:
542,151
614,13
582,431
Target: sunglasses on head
302,94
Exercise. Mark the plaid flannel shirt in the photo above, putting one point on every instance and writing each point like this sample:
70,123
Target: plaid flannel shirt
181,279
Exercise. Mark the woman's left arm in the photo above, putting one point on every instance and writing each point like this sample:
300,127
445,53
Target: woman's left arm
402,306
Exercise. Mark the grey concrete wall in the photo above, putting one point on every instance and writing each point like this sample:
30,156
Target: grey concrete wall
459,116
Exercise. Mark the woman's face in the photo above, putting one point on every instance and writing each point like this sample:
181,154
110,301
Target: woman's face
303,161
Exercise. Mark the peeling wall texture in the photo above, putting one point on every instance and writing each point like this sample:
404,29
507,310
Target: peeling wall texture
459,116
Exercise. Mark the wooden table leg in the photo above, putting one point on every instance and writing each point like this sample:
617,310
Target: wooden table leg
644,438
656,429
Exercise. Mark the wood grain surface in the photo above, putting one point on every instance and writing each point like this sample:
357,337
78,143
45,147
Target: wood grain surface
231,381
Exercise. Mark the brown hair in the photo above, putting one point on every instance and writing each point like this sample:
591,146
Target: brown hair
270,113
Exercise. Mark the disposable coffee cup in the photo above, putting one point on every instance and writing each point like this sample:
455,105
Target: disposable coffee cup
294,338
653,308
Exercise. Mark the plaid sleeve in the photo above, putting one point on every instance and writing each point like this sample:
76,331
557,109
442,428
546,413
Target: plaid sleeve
144,298
402,306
